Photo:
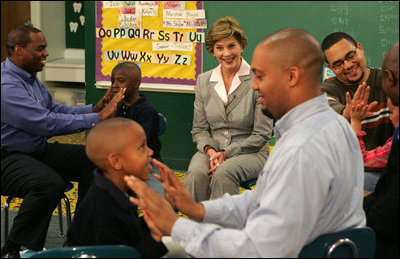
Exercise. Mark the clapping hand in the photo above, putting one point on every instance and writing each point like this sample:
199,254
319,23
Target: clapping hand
157,212
175,191
103,101
360,96
359,112
110,109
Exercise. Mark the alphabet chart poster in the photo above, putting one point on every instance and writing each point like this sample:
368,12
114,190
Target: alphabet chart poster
163,37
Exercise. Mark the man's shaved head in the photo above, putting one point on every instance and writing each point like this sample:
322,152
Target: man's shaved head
287,67
108,136
391,60
296,47
390,76
134,70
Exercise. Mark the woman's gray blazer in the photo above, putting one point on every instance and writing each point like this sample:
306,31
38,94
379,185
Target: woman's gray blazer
240,128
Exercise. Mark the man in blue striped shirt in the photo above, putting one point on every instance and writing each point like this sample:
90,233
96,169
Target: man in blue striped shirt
31,168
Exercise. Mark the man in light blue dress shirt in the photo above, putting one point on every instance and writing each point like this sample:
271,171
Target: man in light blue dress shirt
311,184
31,168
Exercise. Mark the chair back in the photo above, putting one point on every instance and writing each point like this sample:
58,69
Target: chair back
162,124
249,184
349,243
99,251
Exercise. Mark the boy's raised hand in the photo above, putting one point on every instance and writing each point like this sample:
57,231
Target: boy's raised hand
361,95
359,112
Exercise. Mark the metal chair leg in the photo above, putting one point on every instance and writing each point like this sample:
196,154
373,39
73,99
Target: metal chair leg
60,220
6,207
67,209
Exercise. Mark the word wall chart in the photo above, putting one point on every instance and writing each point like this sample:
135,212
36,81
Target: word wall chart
165,38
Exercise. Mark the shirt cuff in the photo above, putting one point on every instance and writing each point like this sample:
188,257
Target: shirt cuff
88,108
212,210
93,119
361,133
183,230
207,147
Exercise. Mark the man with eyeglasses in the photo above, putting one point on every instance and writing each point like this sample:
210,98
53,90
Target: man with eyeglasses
345,57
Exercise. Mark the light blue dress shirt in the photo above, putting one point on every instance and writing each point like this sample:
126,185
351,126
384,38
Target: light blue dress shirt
311,184
28,114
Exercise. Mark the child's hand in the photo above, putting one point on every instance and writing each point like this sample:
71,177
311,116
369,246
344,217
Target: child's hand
361,95
359,112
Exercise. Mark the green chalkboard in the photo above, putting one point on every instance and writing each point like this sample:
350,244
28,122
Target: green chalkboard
75,24
373,24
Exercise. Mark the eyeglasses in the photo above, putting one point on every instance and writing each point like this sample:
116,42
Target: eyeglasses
338,65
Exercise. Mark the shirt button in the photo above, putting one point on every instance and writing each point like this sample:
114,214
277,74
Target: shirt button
182,243
93,124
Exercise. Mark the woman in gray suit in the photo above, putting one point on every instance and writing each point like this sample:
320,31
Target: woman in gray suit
229,128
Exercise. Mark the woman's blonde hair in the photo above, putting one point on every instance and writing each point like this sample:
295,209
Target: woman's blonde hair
224,28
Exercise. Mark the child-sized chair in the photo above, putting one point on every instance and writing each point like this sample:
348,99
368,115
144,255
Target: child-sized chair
356,242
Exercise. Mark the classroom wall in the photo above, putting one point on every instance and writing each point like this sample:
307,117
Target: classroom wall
41,13
52,24
374,24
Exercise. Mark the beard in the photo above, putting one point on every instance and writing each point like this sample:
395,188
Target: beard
267,113
357,81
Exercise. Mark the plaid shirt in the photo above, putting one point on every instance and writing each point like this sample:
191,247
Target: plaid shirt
376,157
